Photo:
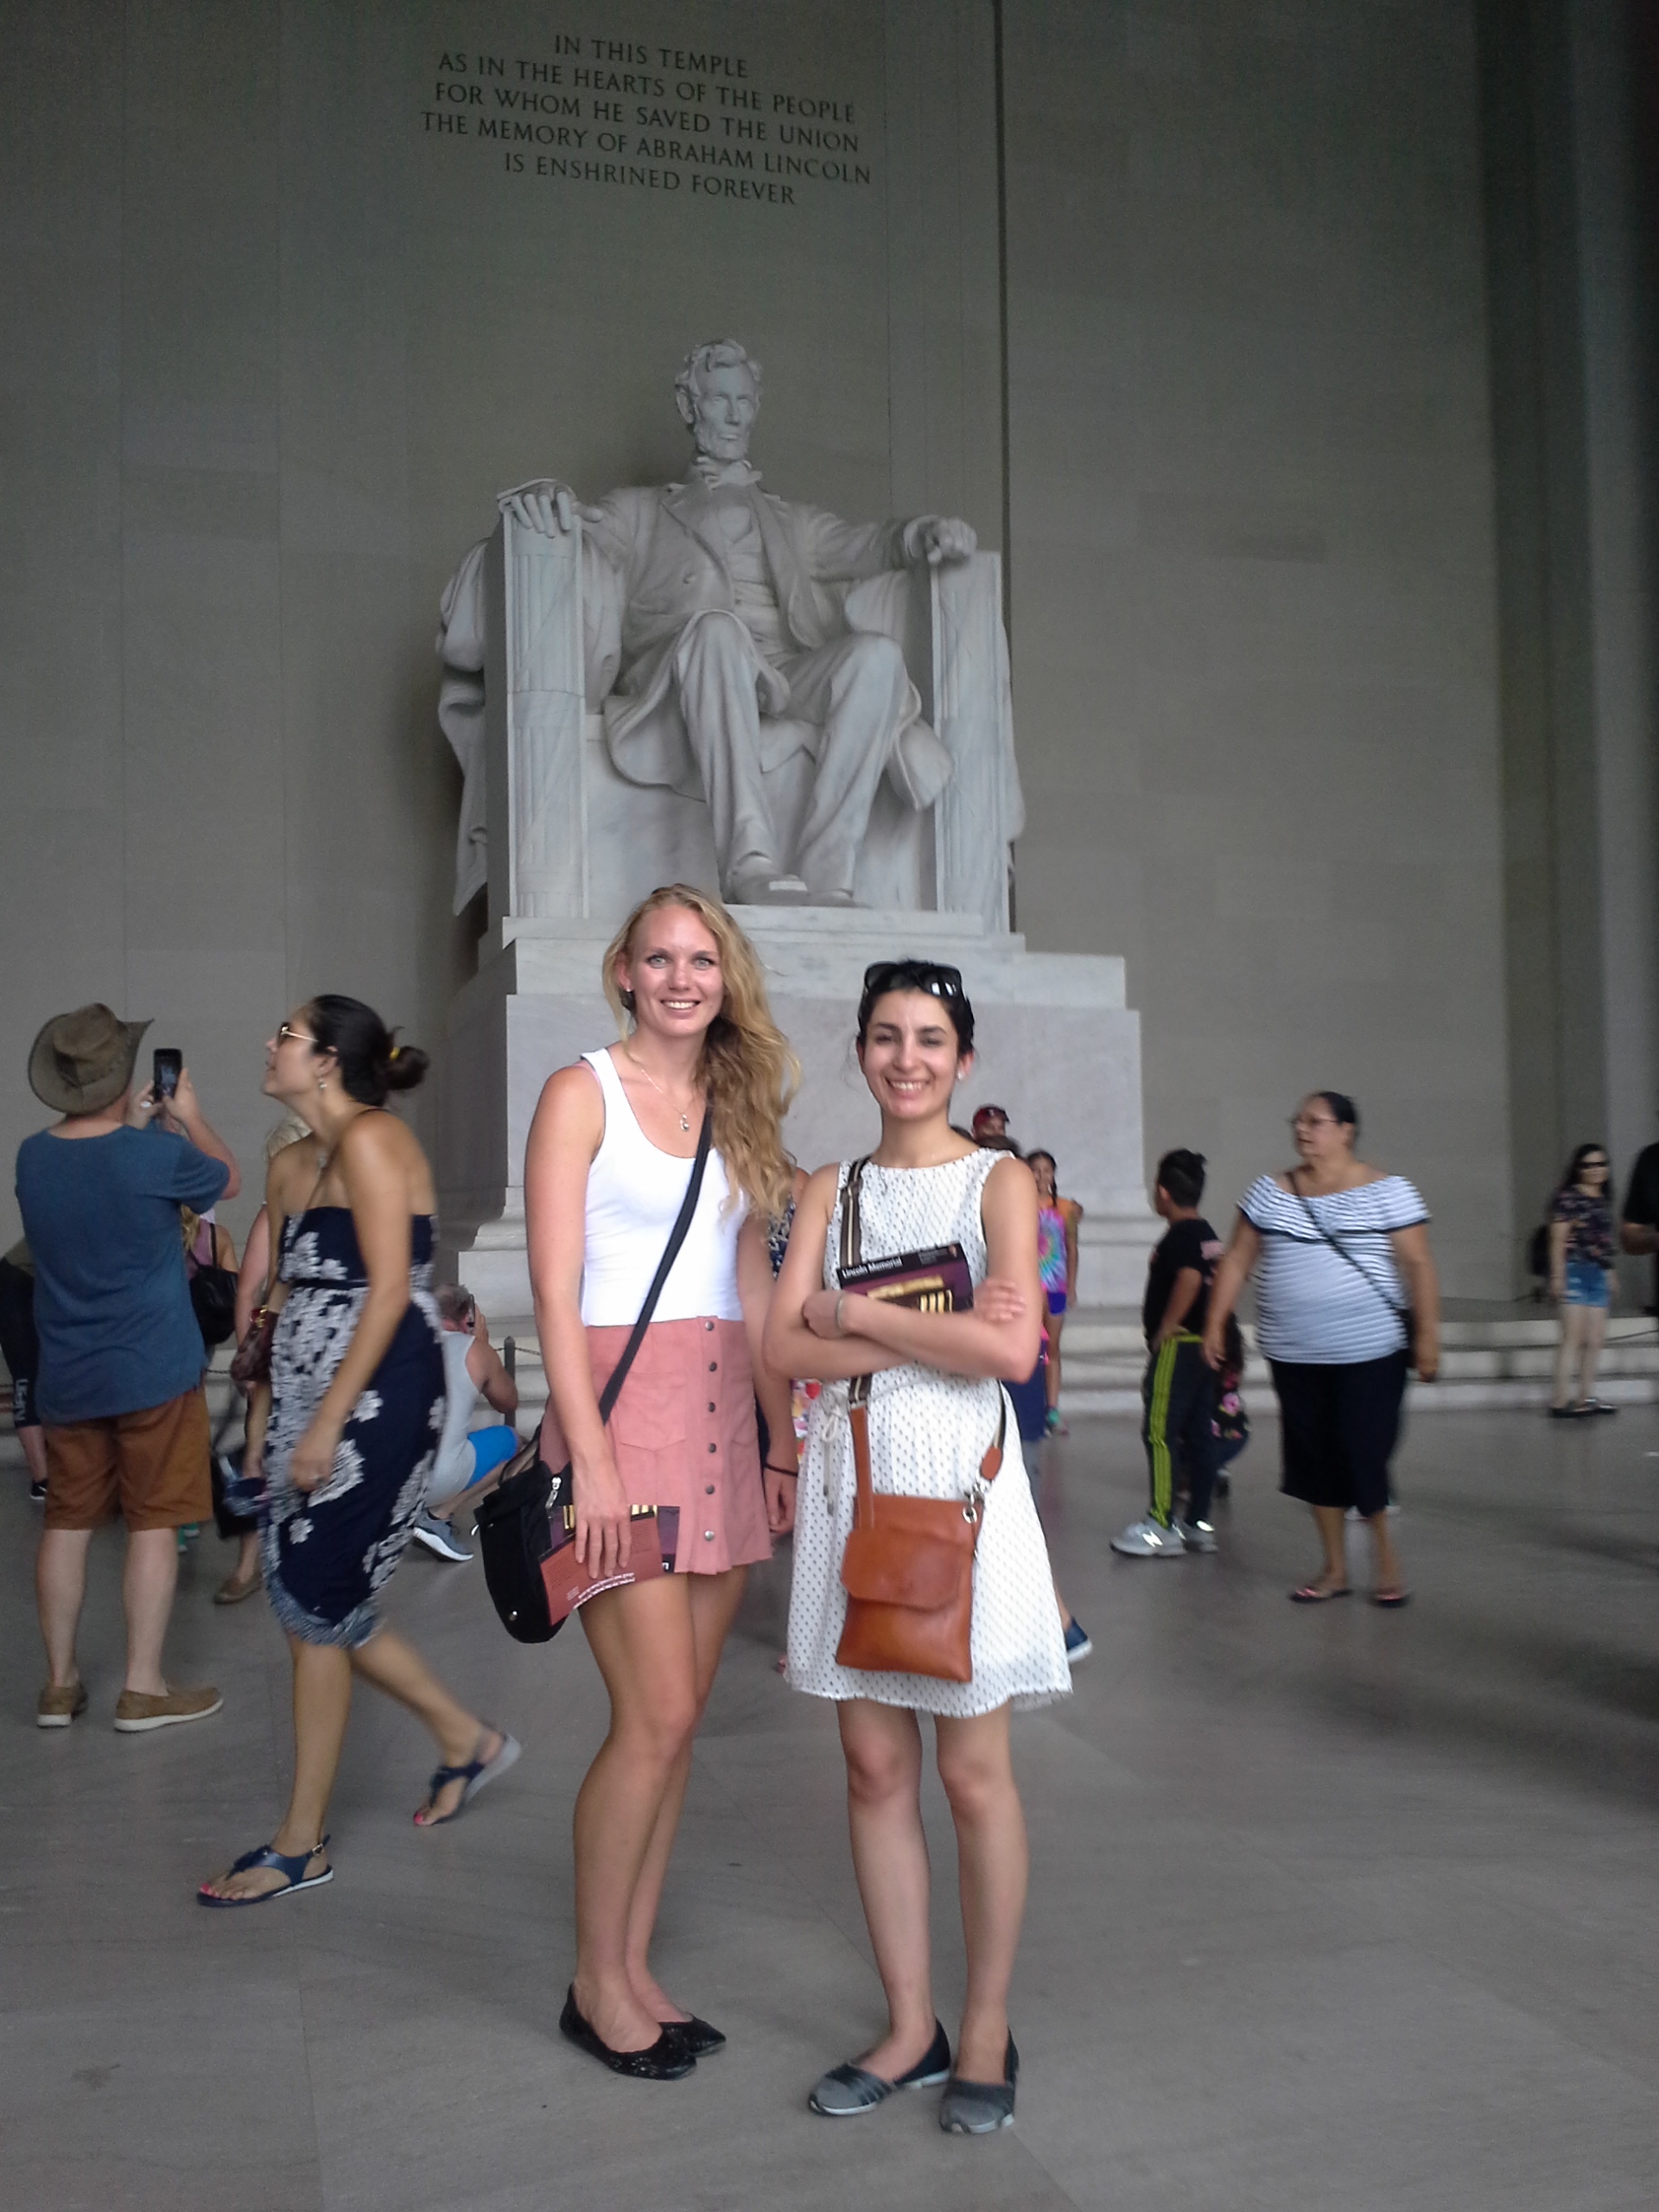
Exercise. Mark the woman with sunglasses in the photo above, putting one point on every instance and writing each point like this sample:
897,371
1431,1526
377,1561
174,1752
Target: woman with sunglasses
1347,1298
346,1428
1581,1249
935,1408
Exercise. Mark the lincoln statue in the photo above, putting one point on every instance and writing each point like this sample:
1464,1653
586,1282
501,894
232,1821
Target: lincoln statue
718,640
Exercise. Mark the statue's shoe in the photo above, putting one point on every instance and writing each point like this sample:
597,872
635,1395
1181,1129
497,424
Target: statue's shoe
765,887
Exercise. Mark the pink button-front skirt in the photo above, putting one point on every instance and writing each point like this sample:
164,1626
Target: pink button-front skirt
683,1434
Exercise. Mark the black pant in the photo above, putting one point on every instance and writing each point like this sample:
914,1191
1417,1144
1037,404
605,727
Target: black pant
1180,1422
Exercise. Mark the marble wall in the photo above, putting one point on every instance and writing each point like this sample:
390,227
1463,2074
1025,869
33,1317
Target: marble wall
1252,564
283,317
278,329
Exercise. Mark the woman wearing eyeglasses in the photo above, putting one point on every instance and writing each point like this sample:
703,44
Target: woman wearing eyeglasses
1581,1249
1347,1298
348,1427
935,1408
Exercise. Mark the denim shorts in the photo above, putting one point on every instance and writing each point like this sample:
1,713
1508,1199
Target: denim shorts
1587,1284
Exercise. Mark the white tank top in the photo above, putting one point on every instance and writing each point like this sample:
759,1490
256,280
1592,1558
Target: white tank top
634,1195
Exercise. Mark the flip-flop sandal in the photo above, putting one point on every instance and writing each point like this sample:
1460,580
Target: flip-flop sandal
1391,1600
268,1855
1310,1594
476,1775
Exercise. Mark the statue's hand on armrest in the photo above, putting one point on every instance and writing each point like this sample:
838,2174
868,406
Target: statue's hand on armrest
934,538
546,506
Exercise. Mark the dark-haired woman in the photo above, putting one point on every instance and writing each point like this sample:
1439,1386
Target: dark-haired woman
1347,1298
607,1173
347,1427
1582,1250
935,1408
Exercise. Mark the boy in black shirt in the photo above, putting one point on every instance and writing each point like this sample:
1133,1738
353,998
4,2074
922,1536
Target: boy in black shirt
1180,1386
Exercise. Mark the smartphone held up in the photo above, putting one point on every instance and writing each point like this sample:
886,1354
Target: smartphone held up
168,1067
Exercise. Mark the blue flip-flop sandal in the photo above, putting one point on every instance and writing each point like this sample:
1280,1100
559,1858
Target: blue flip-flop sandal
268,1855
476,1775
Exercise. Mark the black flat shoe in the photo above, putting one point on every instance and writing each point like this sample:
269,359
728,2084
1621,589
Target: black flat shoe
845,2090
979,2107
700,2038
665,2060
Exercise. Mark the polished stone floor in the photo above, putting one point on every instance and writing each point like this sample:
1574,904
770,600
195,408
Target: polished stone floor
1333,1909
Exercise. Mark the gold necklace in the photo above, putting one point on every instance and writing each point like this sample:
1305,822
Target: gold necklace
684,1119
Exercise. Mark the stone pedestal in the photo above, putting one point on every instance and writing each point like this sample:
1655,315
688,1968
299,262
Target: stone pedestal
1057,1047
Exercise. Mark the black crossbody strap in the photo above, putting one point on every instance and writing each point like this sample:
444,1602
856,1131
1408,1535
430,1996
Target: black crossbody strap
1399,1313
852,1252
677,1236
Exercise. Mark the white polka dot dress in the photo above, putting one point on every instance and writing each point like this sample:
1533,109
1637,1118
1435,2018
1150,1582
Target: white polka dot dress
928,1434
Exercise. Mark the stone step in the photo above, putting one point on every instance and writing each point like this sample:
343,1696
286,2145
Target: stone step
1485,1361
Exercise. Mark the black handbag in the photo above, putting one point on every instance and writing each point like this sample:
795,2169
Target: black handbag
213,1297
514,1522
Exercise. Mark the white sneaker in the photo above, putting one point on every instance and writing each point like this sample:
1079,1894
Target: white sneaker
1197,1535
438,1536
1149,1539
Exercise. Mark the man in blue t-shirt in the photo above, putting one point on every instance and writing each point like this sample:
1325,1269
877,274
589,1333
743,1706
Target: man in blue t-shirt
119,1384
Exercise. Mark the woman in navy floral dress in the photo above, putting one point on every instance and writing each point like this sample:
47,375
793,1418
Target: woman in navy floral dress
347,1430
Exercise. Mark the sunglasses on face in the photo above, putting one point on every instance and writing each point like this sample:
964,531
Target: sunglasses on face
940,982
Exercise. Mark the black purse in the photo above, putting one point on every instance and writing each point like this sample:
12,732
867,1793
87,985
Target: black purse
213,1298
514,1522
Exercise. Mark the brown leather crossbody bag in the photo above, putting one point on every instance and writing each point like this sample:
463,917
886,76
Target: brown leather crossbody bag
908,1568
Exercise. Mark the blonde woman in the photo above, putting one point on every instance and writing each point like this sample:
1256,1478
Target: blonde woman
609,1160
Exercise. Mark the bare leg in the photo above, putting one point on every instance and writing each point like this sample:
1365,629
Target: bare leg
245,1574
883,1749
993,1866
322,1699
148,1579
715,1600
1595,1335
398,1668
643,1639
1052,1373
1332,1521
1388,1560
1568,1352
59,1594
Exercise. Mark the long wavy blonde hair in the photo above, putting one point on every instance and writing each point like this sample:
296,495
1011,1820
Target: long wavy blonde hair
751,1073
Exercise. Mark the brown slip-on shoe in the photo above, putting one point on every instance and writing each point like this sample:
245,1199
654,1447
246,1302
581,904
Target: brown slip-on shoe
59,1704
136,1711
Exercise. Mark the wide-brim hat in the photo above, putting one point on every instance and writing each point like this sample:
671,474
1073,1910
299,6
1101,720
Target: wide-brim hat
83,1061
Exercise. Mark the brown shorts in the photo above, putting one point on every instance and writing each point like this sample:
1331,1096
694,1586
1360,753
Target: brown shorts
151,1467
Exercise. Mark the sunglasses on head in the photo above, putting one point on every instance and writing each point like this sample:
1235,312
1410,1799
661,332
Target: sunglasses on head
928,976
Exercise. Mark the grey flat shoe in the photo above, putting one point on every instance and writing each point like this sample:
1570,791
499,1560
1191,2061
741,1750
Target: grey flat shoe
845,2090
979,2107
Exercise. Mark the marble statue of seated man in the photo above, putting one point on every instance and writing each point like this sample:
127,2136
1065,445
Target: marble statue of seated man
714,626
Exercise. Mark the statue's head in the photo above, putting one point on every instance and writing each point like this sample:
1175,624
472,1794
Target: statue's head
718,394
